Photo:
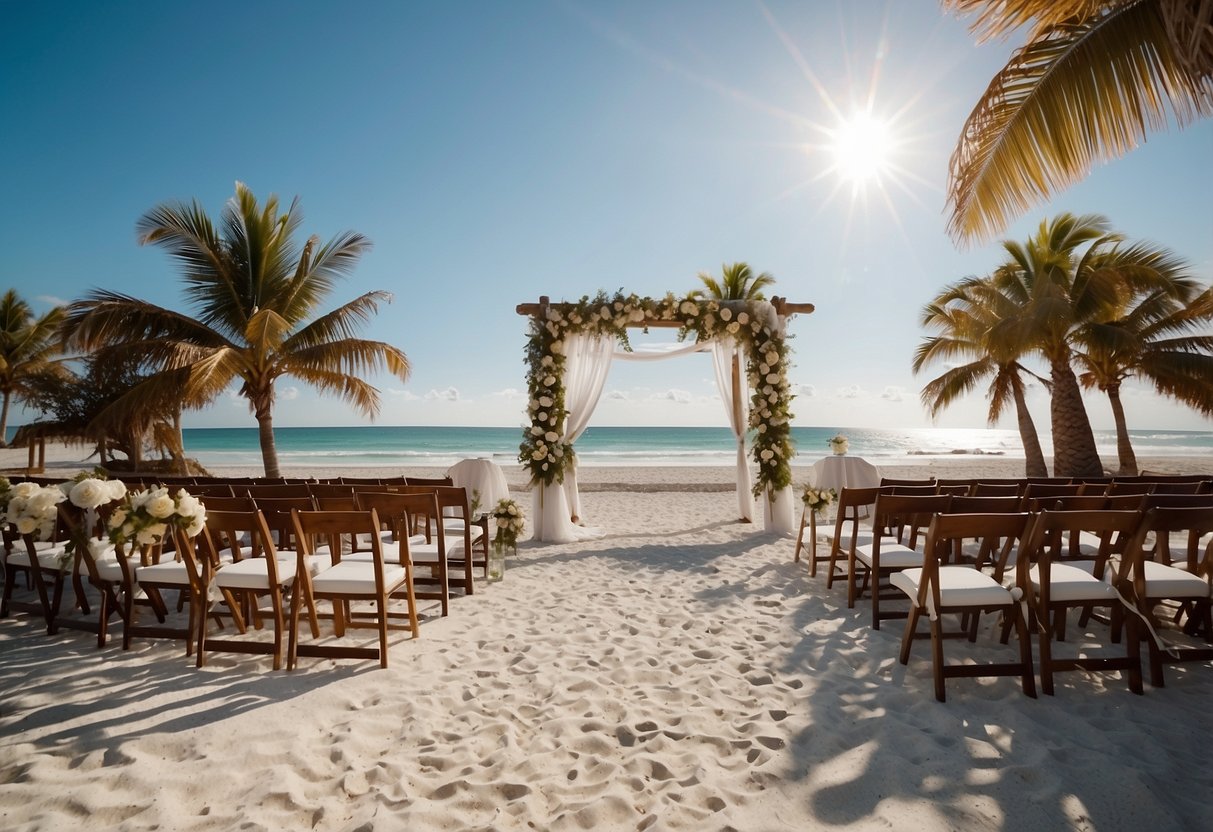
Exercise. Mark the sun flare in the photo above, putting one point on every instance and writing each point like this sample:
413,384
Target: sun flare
861,147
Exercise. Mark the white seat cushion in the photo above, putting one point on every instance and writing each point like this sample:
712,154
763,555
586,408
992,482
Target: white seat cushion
1068,582
893,555
959,586
356,577
48,558
862,538
108,569
1170,582
169,572
252,573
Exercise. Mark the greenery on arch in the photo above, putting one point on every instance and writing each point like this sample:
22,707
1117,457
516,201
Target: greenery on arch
754,324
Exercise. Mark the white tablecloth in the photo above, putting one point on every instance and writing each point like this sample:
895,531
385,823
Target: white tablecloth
845,471
483,476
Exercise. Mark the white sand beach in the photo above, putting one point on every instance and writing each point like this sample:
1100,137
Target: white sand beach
681,672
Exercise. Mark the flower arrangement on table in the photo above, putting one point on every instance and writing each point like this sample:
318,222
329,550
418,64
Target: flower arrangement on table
510,521
839,443
146,518
818,500
753,325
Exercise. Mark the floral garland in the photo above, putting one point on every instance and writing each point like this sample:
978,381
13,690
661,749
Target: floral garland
753,324
145,517
510,522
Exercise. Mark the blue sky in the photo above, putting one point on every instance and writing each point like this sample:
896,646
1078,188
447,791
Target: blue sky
495,152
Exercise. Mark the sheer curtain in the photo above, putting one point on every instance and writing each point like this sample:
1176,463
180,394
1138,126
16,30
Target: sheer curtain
588,360
727,358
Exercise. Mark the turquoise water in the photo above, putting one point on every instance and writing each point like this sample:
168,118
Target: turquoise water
379,446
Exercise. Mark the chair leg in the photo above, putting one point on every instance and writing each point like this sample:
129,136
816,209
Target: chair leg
1028,677
908,638
1133,634
800,541
276,595
937,658
851,567
1045,634
381,607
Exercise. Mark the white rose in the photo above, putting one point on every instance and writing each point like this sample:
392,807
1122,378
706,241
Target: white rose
117,489
764,368
733,327
772,378
772,357
187,504
161,505
546,361
26,525
545,466
45,500
605,313
743,318
551,436
636,316
545,401
538,454
513,509
549,381
89,493
767,453
24,490
726,314
196,525
536,430
557,347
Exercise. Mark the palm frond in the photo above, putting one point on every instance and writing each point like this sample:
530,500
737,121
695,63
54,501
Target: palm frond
105,317
351,356
353,391
1078,93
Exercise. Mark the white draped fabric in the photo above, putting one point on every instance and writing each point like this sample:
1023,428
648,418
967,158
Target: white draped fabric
588,360
728,359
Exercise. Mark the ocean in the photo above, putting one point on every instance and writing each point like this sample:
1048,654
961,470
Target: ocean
395,447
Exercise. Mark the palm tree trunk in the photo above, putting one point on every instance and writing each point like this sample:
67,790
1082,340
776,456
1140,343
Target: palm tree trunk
1074,453
265,431
4,420
1124,448
1034,455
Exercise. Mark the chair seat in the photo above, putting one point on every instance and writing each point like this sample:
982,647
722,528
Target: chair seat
356,577
1170,582
454,528
253,573
959,586
863,538
48,558
108,569
1068,582
171,572
892,555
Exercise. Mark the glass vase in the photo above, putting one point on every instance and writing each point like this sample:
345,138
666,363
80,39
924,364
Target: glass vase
496,563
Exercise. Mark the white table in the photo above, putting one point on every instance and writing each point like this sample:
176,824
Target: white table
845,471
483,476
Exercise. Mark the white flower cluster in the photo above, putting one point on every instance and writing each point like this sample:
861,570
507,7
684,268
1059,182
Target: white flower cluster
818,499
146,517
93,492
33,509
510,522
839,443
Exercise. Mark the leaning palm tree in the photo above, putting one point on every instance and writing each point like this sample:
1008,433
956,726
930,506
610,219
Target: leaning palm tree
28,347
1159,339
1059,289
737,282
971,318
254,293
1095,77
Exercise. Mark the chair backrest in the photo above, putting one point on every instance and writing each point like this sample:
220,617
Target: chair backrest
360,480
955,489
984,505
1161,500
243,533
211,489
344,502
1177,487
1194,522
214,502
1051,489
997,533
317,530
277,512
1065,502
895,481
919,490
955,483
323,489
397,511
912,511
278,490
1119,487
1046,541
997,489
428,481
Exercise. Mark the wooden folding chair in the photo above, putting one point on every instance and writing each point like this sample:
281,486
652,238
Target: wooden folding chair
849,531
347,581
397,512
1187,581
938,589
1052,587
875,562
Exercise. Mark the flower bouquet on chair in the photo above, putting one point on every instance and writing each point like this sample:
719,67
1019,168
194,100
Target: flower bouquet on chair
818,500
509,521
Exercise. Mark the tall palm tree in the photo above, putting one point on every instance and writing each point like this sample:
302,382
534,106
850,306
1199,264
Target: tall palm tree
28,347
253,293
1059,290
1095,77
1155,337
971,318
737,282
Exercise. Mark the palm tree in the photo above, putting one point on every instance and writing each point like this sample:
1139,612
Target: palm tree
254,292
737,282
1155,337
28,346
1094,78
972,317
1059,290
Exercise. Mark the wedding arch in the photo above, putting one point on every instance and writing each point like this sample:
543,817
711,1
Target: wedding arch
570,350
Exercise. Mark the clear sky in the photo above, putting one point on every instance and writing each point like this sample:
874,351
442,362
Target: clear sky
499,151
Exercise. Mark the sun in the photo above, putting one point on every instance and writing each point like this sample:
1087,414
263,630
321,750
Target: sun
862,146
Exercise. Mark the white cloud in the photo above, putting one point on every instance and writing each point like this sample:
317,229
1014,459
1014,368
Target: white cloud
852,392
509,393
407,395
51,300
288,394
678,396
808,391
450,394
893,393
617,395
